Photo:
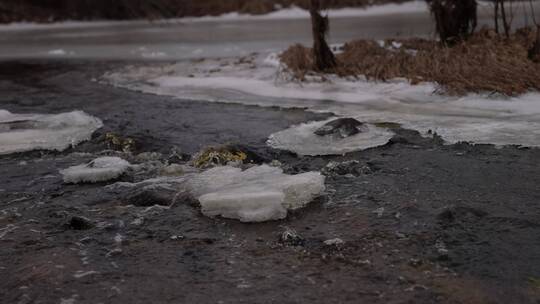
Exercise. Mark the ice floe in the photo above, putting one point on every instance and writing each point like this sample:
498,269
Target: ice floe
26,132
257,194
476,118
99,170
302,140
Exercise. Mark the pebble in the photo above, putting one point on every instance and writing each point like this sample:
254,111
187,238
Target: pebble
334,242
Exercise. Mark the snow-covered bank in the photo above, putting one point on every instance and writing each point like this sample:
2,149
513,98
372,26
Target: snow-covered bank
292,12
477,118
26,132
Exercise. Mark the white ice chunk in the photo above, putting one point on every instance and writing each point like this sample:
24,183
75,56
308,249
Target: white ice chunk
99,170
258,194
397,45
245,204
58,52
26,132
302,140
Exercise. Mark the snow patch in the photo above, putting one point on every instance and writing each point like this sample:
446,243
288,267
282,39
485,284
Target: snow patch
26,132
99,170
302,140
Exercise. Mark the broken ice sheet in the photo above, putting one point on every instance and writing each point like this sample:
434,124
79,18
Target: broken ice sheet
258,194
302,140
99,170
26,132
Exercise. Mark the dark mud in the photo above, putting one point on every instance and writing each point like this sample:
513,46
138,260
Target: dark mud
421,222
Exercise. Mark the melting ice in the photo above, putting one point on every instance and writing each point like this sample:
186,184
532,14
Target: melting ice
258,194
99,170
26,132
302,140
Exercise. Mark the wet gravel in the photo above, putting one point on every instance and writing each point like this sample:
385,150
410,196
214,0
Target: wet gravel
420,221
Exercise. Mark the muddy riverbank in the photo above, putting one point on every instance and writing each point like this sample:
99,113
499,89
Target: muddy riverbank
421,222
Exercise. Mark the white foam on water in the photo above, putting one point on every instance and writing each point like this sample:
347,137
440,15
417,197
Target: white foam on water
26,132
99,170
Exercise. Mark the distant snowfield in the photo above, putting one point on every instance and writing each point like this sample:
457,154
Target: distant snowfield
286,13
476,118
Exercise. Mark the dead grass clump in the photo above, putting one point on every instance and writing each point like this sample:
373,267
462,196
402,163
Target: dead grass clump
484,63
299,60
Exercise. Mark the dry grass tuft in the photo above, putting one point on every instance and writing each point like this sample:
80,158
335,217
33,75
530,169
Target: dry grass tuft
299,60
484,63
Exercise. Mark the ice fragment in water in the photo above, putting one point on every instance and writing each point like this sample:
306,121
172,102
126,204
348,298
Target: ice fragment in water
258,194
26,132
302,140
99,170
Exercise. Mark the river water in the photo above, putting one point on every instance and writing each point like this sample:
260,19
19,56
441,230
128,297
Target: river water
215,37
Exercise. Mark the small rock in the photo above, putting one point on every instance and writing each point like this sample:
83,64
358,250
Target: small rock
80,223
172,170
344,127
114,252
148,156
379,212
276,163
291,237
400,235
416,287
152,195
176,156
343,168
138,221
334,242
415,262
442,251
